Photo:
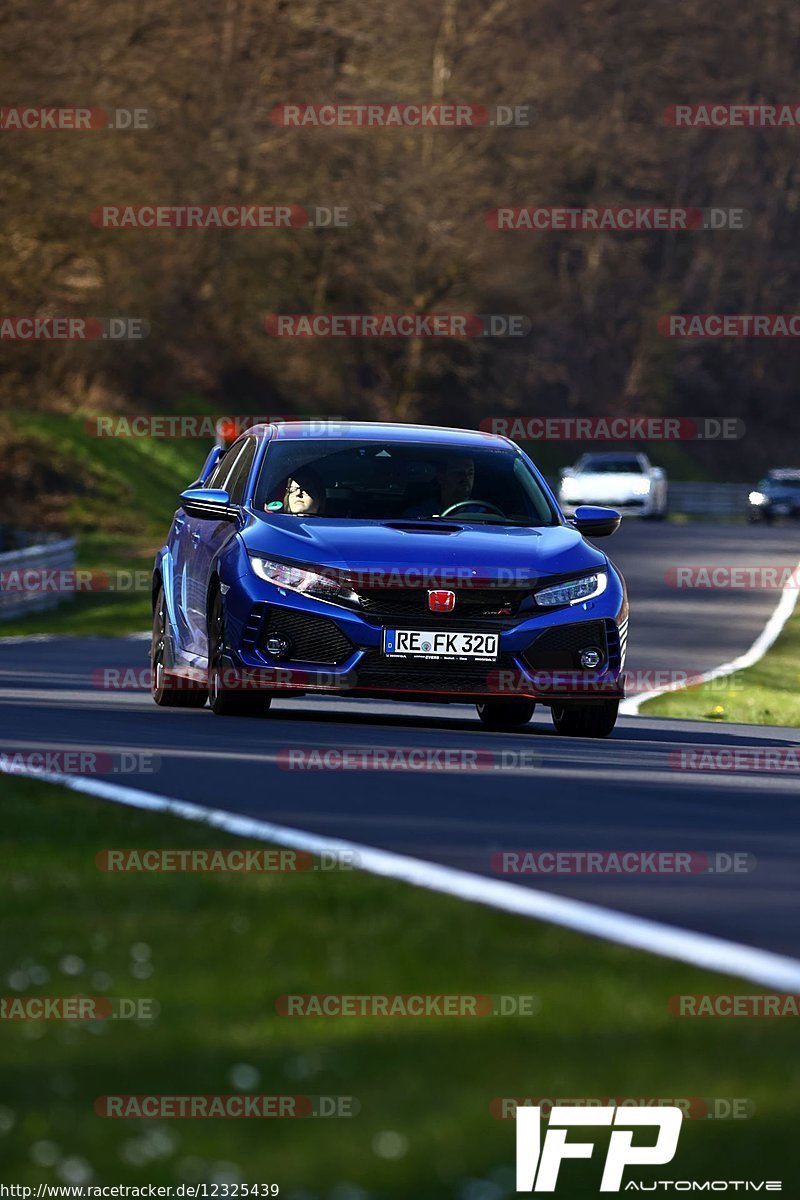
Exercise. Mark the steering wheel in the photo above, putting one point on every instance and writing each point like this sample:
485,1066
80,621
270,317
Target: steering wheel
483,505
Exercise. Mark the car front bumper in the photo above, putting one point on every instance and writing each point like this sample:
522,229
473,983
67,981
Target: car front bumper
334,649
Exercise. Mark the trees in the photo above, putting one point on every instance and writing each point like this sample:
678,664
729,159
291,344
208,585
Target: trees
598,74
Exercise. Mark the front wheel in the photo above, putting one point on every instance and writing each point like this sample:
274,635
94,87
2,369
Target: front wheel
188,696
505,714
224,701
585,720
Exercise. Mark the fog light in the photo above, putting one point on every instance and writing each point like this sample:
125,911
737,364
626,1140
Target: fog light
591,658
276,646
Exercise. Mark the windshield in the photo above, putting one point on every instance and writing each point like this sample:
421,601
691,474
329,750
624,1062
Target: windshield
774,482
609,466
407,481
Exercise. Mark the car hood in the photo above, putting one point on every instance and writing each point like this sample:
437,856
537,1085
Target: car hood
489,553
783,494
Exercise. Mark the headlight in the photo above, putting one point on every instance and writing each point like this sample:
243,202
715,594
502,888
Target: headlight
298,579
757,498
573,590
640,487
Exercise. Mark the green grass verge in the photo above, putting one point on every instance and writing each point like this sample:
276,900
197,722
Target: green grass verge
765,694
120,485
216,950
117,495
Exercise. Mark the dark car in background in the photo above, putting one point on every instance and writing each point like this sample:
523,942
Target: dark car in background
776,495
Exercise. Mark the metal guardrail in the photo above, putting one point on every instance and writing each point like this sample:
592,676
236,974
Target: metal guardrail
709,499
21,594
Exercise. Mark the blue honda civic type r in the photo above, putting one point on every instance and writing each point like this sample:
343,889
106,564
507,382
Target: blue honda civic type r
388,561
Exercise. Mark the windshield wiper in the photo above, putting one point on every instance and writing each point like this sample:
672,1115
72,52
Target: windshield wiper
491,519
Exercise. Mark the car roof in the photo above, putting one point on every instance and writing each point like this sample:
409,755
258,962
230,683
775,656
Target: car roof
784,473
380,431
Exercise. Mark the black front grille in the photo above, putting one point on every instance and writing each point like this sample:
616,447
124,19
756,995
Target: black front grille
312,639
499,606
383,674
557,649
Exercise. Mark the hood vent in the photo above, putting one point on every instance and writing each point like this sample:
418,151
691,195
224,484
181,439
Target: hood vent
423,527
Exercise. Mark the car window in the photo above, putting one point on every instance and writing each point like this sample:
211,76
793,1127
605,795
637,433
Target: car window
224,469
376,480
220,470
610,466
237,480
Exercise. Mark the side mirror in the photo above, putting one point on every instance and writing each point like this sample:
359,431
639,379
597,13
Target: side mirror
209,504
596,522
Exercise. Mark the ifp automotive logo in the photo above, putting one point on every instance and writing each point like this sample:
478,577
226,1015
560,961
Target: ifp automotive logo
538,1162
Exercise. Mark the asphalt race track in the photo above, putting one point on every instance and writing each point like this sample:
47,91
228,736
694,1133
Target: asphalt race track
539,792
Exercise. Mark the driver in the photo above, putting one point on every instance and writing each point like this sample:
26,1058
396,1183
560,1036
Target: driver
455,478
303,495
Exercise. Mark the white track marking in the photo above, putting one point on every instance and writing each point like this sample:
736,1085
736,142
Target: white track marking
767,638
698,949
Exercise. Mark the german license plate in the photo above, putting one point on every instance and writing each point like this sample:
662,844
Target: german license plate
437,645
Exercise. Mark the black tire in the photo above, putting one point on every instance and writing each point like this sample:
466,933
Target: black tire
505,714
223,701
585,720
168,697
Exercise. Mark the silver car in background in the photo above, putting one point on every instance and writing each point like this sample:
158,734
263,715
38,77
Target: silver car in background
626,481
